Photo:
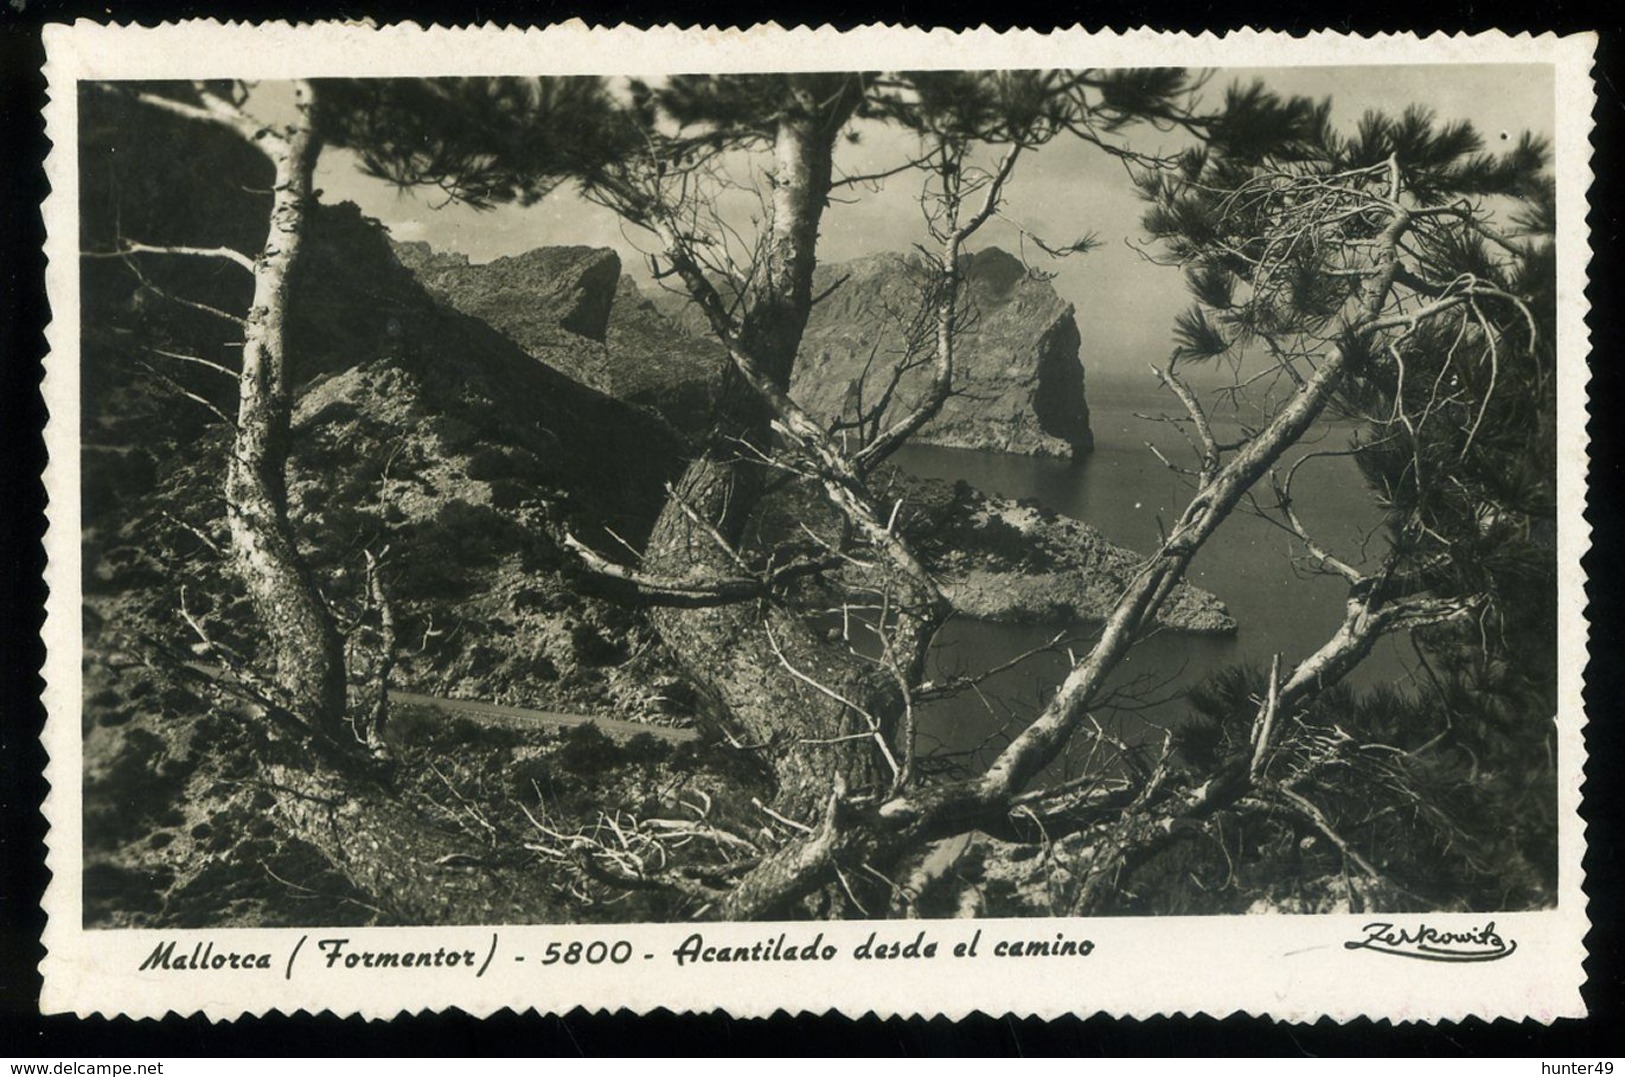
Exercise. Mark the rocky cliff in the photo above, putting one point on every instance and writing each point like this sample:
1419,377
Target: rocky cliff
553,302
1020,389
1018,380
445,414
573,309
532,297
1019,385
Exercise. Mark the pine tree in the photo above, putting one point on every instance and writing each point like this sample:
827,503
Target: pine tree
308,675
1456,411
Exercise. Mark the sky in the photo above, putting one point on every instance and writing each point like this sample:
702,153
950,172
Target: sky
1125,303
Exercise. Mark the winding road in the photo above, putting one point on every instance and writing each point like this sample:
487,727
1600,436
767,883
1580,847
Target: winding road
496,714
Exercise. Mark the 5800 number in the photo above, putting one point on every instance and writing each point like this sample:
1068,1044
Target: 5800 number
592,953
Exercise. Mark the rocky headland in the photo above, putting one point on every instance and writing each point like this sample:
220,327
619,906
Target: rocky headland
1018,377
1020,563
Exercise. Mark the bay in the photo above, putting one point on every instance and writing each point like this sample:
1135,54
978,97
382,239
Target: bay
1123,489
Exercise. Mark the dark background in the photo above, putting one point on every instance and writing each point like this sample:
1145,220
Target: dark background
24,313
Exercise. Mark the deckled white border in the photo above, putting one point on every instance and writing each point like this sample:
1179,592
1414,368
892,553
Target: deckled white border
1286,967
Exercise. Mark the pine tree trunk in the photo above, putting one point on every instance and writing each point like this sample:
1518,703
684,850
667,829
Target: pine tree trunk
415,871
804,736
303,642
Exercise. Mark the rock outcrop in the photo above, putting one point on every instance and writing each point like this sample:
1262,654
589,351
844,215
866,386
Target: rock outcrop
1066,572
530,297
553,302
1018,379
573,309
996,559
1017,562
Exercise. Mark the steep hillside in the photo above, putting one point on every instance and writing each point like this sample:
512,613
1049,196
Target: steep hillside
420,435
659,361
424,430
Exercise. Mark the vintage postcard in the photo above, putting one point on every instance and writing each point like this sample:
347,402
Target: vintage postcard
896,521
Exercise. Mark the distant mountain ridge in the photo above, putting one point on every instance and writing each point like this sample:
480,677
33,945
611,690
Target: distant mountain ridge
1018,385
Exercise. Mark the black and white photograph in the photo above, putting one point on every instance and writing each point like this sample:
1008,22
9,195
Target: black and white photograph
838,495
845,508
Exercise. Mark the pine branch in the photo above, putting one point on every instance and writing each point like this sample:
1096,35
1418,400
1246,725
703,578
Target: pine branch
214,110
199,360
692,593
235,257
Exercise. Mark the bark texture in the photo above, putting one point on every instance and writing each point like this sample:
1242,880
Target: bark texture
806,737
304,643
415,871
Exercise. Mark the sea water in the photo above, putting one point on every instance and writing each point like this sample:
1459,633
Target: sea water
1280,604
